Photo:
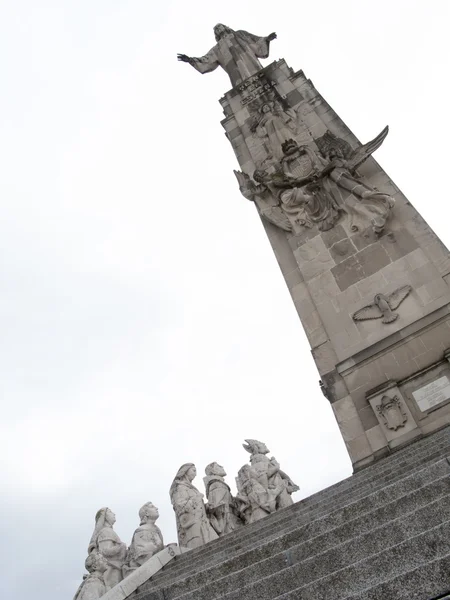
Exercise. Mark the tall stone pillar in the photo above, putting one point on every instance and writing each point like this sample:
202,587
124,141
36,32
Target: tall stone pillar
367,275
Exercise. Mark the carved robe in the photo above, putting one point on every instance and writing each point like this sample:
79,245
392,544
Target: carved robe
306,208
92,588
256,501
366,205
193,525
237,53
114,550
147,541
270,477
221,505
278,126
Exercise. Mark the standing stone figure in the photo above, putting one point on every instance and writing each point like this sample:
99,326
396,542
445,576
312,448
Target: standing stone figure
147,539
237,52
255,500
93,585
221,507
107,542
193,525
269,473
276,125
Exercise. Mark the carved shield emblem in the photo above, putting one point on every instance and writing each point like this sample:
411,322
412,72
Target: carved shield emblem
301,165
392,412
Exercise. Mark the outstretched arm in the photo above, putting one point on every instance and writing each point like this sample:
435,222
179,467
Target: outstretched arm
203,64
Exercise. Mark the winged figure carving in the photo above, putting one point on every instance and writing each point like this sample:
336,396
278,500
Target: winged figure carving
268,206
383,306
363,152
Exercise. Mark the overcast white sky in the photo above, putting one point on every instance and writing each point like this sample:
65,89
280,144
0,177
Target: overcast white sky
144,321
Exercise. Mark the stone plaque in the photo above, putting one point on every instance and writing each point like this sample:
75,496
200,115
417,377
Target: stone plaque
432,394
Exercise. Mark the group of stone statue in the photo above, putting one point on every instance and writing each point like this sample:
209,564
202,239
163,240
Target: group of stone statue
296,185
109,560
262,488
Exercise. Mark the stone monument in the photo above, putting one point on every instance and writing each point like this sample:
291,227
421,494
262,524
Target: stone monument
367,275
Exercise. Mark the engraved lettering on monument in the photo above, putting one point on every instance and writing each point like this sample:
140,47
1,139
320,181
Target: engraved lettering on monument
254,87
433,393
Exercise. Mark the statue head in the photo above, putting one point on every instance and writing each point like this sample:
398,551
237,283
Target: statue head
220,30
185,473
289,147
103,518
256,447
95,562
215,469
148,512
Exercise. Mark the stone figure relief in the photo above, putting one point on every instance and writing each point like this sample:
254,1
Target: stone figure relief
383,306
392,412
328,141
267,203
193,525
93,585
147,539
274,125
303,192
370,204
269,474
237,52
221,507
314,190
106,541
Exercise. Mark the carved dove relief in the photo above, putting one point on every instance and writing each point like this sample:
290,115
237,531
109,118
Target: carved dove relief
383,306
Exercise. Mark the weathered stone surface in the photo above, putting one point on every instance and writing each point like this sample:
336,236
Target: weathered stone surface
373,259
348,272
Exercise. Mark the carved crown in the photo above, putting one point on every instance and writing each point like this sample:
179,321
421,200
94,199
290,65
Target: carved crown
289,145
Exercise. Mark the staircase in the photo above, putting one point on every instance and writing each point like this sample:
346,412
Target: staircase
382,534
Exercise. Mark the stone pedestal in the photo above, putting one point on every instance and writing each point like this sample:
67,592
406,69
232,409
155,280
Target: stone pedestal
335,271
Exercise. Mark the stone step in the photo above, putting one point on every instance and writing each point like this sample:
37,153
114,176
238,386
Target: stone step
401,469
412,553
325,500
429,581
420,487
385,470
338,556
264,531
405,455
293,517
323,541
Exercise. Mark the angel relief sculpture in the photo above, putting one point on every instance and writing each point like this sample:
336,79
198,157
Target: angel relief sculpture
275,126
364,201
310,189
